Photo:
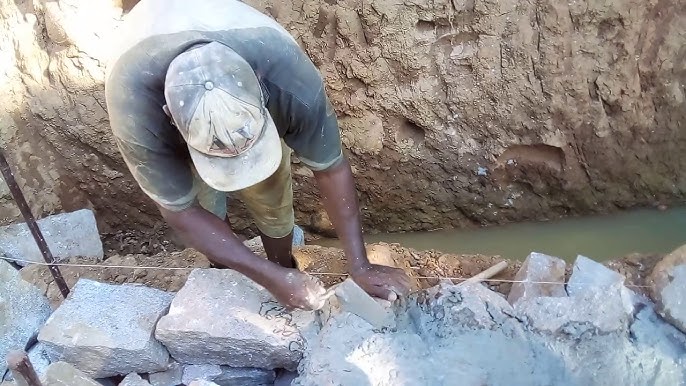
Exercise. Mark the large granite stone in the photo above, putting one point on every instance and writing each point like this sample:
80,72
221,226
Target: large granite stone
68,235
590,277
536,278
23,310
594,312
222,317
668,287
64,374
107,330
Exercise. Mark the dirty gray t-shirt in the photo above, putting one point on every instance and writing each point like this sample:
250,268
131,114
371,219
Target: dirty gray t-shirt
155,32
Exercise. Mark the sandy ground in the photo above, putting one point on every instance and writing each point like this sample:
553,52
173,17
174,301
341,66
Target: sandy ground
158,247
326,263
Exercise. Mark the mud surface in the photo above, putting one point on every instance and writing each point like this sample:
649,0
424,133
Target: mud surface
455,113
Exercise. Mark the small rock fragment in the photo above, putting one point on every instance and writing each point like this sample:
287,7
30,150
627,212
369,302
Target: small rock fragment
668,287
538,268
221,317
172,376
134,379
381,254
377,312
64,374
23,310
68,235
107,330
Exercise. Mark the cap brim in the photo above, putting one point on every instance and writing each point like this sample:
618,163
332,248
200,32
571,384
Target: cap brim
229,174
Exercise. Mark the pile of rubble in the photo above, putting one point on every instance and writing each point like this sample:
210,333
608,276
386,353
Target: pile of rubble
223,329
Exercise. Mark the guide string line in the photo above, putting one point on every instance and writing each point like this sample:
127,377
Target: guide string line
106,266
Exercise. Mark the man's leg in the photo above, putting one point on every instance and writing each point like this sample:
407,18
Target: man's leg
271,205
279,250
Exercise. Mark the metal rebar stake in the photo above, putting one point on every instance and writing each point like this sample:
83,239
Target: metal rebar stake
31,223
22,369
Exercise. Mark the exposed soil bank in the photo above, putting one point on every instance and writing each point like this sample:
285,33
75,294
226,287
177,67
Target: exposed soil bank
455,113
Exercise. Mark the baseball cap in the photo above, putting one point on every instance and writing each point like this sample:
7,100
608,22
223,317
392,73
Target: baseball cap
216,102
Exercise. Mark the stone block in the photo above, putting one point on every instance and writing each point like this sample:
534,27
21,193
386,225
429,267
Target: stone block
202,383
668,287
450,309
377,312
228,376
595,312
221,317
64,374
23,310
107,330
68,235
172,376
538,268
244,376
589,277
200,372
134,379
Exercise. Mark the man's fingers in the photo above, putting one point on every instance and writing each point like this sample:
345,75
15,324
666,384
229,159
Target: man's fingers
385,293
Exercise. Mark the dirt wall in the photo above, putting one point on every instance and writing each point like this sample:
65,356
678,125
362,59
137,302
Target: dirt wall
454,113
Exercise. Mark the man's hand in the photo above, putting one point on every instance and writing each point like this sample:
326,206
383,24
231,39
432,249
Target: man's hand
295,289
381,281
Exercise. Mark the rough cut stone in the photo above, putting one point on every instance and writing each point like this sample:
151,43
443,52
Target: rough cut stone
200,372
107,330
202,383
23,310
228,376
596,312
590,277
668,287
354,299
539,267
172,376
244,376
448,309
222,317
134,379
64,374
67,234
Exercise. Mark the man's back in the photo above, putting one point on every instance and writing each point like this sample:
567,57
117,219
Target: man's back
159,17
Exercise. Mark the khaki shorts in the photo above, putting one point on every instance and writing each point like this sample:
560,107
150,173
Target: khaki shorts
270,202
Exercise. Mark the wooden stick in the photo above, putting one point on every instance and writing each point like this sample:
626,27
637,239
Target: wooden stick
487,274
22,369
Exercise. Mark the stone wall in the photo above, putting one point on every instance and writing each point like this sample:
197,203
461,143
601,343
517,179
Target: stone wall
454,113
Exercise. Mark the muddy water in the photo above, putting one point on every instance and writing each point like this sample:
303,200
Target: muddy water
598,237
